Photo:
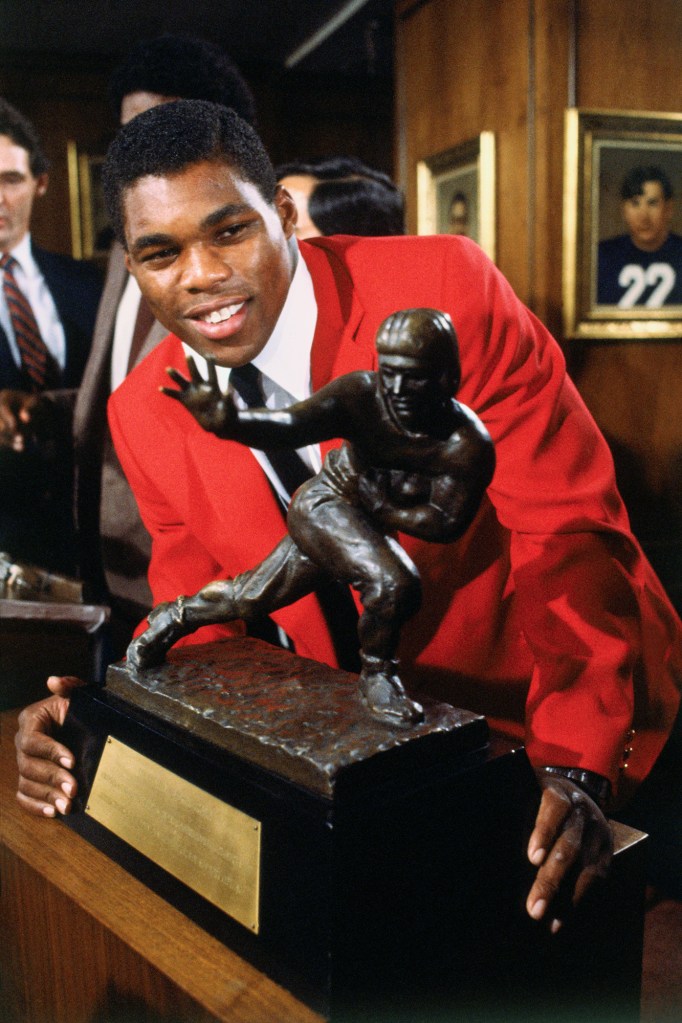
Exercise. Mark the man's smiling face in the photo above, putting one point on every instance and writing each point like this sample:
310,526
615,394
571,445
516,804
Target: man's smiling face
211,256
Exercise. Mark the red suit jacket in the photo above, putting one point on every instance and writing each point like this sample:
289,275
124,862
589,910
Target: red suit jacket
545,616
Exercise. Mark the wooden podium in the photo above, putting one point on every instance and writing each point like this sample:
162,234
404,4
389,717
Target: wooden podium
430,917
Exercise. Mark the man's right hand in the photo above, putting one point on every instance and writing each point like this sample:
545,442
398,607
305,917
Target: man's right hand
21,418
45,785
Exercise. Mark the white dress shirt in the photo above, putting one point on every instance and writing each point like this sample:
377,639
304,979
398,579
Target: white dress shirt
31,281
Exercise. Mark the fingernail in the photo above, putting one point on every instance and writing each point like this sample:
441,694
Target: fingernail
538,909
61,805
67,788
66,762
537,857
556,926
48,811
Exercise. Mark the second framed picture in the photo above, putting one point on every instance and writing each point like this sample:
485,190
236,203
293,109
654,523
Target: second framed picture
622,225
456,192
91,235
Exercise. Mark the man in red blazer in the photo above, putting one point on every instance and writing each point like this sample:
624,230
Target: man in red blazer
545,615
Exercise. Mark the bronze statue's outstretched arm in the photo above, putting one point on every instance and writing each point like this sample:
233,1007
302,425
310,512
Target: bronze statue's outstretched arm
323,416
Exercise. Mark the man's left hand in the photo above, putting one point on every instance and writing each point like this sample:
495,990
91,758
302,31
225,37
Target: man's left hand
572,844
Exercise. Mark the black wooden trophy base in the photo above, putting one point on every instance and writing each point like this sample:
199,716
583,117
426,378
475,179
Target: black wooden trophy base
392,865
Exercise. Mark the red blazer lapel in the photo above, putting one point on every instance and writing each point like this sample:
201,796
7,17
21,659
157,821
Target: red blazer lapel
223,516
338,345
222,513
220,474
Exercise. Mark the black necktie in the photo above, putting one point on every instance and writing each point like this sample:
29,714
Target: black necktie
288,465
334,597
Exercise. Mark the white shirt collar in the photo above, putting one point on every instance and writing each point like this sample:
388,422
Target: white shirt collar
285,359
24,257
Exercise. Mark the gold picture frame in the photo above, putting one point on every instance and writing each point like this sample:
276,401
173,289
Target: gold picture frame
90,232
609,290
461,180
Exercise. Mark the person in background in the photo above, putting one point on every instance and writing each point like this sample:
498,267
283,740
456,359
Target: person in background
113,544
342,195
48,304
458,214
545,615
643,268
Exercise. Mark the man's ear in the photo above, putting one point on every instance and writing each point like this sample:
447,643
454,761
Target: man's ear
42,181
286,209
128,261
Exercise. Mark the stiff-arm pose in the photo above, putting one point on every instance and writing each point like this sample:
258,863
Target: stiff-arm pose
414,460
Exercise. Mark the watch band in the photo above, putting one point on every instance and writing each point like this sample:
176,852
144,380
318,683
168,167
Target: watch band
595,785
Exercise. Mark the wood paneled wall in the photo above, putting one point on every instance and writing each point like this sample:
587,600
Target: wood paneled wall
463,68
63,103
512,67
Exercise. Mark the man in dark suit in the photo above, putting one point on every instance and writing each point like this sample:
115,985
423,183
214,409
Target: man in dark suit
48,305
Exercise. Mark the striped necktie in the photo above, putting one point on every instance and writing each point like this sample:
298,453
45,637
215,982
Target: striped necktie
336,602
37,363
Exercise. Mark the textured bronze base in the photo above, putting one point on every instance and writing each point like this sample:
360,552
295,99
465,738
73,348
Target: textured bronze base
285,713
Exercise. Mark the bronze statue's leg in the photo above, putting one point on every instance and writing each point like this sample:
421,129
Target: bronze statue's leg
390,591
168,622
384,693
339,536
284,576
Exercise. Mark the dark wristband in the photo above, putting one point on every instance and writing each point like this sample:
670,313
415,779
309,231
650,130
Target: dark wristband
595,785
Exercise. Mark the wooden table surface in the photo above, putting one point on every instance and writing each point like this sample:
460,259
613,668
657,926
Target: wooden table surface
83,883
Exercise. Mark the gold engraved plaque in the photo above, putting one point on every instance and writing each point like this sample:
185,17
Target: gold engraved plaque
207,844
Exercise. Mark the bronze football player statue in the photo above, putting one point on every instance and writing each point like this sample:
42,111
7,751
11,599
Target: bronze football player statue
414,460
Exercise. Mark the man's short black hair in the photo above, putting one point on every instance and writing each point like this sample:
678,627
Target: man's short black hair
634,180
350,197
182,66
328,168
22,133
357,206
173,136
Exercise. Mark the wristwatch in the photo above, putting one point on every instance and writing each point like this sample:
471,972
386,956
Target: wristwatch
597,787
